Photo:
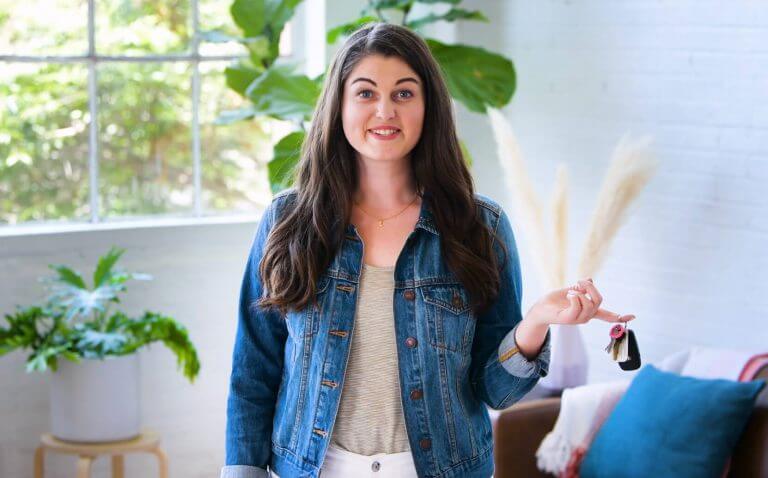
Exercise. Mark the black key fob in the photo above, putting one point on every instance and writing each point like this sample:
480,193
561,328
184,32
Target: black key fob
633,362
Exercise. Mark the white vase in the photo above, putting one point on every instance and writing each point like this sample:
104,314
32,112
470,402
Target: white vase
568,363
96,400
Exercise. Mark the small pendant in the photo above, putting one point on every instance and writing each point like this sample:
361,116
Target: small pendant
381,223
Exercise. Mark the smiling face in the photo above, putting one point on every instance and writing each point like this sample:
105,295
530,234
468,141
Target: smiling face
382,108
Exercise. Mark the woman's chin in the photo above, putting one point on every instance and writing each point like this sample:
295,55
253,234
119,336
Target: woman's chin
386,157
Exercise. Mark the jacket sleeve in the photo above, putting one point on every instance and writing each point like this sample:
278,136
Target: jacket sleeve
500,374
257,365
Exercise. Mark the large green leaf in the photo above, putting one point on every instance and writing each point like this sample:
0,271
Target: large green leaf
449,16
22,331
282,94
278,14
390,4
154,327
240,75
263,18
475,76
287,153
68,276
262,51
250,16
259,47
104,268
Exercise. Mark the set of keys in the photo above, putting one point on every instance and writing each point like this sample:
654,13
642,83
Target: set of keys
623,347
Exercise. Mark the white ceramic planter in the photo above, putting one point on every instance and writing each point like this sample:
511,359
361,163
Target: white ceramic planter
96,400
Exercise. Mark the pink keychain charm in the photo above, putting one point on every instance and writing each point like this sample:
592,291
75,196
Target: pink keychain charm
623,347
617,347
617,331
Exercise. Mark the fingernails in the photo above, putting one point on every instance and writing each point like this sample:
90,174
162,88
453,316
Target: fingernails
572,292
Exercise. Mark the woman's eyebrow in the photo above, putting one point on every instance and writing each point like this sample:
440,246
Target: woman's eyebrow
401,80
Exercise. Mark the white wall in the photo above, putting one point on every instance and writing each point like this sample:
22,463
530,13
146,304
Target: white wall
691,261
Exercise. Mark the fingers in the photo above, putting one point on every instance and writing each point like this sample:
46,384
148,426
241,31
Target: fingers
575,305
585,290
589,286
608,316
582,306
588,309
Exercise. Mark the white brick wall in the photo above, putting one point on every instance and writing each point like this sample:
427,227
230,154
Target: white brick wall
691,261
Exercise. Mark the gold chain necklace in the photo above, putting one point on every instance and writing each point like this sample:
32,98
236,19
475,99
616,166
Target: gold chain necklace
382,219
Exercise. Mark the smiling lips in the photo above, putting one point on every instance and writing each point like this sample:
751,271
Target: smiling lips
384,133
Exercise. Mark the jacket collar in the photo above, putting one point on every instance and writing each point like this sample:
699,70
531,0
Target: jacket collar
426,218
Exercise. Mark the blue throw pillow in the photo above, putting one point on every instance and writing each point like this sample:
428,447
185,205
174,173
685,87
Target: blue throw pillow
671,425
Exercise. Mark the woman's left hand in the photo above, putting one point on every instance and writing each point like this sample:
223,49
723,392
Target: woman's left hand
573,305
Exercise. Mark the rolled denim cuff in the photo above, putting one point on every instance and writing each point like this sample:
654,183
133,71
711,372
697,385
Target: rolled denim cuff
243,471
515,362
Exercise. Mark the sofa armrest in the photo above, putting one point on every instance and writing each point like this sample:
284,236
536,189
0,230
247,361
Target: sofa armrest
518,432
750,457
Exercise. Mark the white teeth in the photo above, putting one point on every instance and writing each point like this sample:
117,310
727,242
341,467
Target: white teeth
384,132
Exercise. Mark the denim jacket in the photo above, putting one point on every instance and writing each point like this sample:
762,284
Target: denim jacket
288,375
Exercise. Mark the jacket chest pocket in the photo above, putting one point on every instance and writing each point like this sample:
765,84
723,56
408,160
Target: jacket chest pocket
450,319
306,322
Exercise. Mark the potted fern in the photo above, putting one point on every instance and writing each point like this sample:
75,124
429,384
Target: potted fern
95,390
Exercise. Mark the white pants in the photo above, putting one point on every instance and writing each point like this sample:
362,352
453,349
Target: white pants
345,464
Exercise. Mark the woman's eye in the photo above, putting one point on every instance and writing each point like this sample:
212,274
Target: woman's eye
408,94
364,92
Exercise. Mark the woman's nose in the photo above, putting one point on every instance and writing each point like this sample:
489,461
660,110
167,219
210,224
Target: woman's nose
385,109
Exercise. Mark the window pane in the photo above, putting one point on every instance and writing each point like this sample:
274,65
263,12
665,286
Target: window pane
234,156
58,27
43,142
141,27
145,164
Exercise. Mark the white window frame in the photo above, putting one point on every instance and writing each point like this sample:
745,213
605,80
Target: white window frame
301,39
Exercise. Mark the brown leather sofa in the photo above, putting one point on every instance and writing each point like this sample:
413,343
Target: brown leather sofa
519,430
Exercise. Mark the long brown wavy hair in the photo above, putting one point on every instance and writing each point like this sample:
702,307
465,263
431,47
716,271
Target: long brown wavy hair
309,233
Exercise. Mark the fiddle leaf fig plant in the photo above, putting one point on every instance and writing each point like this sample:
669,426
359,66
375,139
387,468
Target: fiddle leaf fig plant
78,322
476,77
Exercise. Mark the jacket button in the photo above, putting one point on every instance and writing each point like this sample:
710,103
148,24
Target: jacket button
416,394
425,443
411,342
409,294
457,302
375,466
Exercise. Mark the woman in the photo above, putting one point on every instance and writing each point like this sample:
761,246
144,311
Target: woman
380,308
